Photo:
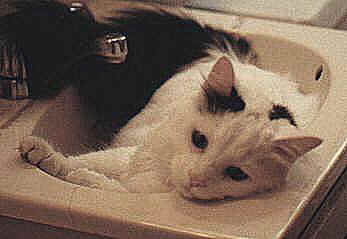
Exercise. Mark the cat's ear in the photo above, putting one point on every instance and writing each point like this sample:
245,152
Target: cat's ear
290,143
221,77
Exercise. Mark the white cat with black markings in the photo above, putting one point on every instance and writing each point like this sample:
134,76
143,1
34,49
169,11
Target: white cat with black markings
214,138
209,125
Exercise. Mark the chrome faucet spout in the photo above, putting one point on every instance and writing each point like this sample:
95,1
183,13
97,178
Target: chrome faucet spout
113,46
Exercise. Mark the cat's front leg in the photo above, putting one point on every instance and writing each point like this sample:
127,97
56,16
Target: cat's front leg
38,152
82,170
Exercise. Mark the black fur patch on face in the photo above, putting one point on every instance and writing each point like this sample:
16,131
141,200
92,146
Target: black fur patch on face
217,103
281,112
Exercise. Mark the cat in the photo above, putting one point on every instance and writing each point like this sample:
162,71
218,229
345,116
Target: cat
197,117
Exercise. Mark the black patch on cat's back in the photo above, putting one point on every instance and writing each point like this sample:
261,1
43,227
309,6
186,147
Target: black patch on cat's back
160,44
58,46
47,38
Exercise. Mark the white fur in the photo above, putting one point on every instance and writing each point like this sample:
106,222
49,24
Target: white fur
154,151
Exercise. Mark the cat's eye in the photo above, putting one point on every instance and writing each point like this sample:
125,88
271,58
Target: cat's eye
199,140
235,173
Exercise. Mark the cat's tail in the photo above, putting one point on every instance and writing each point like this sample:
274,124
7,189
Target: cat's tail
41,39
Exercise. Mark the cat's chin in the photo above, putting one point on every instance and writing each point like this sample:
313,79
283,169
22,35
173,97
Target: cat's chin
198,193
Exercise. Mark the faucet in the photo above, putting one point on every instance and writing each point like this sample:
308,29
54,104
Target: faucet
112,45
13,72
13,75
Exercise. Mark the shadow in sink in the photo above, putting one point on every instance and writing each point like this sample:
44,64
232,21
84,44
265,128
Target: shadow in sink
67,125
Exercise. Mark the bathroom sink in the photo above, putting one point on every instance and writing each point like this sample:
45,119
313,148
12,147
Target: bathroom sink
314,56
323,13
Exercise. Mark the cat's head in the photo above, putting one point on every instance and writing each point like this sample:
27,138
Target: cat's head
227,139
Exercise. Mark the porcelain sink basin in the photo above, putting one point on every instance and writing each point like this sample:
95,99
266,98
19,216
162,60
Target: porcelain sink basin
324,13
317,59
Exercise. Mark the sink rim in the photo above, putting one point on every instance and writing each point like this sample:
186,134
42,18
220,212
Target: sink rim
102,217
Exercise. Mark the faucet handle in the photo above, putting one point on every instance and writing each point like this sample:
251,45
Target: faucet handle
13,75
114,47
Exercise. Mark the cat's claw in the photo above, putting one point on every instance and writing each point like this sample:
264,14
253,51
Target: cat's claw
34,150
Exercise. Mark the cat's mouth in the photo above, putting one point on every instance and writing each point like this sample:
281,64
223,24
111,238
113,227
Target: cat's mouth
200,187
200,193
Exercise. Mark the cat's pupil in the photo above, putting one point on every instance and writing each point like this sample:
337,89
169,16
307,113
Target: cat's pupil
235,173
199,140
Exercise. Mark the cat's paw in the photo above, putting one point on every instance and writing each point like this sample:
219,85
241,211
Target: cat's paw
34,150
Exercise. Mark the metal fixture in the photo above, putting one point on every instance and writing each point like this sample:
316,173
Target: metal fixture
113,46
82,9
13,75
